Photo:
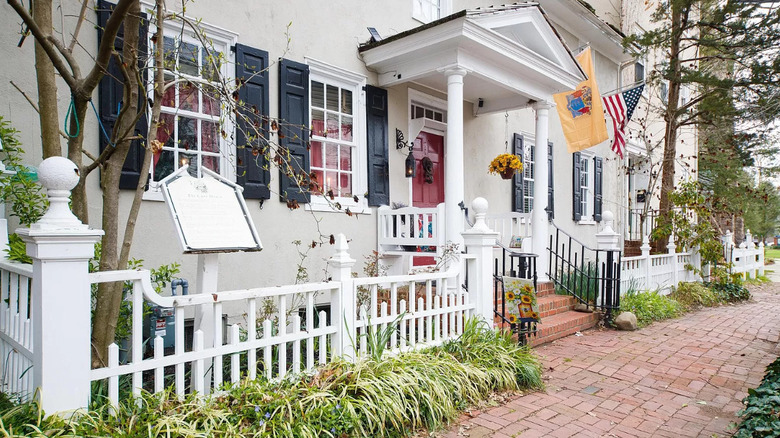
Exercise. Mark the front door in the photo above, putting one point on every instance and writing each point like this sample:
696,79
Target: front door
428,184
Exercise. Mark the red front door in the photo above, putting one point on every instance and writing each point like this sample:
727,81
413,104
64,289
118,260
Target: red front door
428,184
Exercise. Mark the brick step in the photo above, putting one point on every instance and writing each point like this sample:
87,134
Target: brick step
562,325
545,288
550,305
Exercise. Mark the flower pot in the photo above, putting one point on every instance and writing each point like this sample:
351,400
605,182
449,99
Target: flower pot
508,173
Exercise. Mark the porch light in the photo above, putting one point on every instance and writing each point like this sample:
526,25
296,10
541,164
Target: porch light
411,168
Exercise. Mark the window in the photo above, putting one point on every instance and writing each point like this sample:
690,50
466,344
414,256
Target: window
528,178
430,10
419,111
639,71
585,187
337,144
193,123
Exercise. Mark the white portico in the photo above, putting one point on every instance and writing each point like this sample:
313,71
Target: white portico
499,59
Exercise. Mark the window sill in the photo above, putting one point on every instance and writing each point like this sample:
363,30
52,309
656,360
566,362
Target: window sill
586,222
320,205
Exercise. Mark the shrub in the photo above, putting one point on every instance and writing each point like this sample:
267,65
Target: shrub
392,397
727,287
650,306
694,295
761,416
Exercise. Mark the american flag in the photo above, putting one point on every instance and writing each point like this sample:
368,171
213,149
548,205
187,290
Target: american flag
620,107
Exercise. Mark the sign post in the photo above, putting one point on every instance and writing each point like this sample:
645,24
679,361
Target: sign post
210,217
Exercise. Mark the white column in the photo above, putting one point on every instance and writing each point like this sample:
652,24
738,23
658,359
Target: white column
60,246
479,241
454,176
539,222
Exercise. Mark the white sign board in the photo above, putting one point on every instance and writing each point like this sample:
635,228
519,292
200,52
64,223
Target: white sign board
209,213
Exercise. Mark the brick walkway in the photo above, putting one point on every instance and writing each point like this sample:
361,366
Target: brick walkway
677,378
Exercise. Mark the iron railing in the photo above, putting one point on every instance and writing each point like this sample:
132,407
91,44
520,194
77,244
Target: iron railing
641,223
592,276
517,264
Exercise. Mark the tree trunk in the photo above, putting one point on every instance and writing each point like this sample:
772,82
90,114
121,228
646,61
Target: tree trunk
109,296
47,85
75,145
671,117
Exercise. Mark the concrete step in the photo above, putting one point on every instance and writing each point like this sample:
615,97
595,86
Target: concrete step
563,324
550,305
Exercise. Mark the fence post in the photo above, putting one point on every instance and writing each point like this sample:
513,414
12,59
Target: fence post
608,240
342,301
646,256
672,250
761,258
60,246
480,240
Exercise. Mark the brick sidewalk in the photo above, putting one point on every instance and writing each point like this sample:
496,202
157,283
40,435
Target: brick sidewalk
678,378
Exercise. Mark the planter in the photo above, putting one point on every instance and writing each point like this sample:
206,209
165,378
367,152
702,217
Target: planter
508,173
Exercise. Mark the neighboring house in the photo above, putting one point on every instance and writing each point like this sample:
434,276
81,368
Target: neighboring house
461,80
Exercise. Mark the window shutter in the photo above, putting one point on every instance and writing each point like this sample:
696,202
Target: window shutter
252,165
598,176
576,195
376,127
110,98
550,183
294,130
517,180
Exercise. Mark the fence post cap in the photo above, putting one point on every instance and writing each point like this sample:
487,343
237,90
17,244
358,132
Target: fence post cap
59,175
480,207
341,257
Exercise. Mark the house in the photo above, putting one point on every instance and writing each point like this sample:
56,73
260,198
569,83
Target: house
460,81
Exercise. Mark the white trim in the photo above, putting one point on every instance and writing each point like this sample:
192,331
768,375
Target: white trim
587,219
330,74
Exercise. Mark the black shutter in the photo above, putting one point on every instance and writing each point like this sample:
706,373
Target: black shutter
110,98
294,130
550,183
252,166
517,180
598,177
576,194
376,127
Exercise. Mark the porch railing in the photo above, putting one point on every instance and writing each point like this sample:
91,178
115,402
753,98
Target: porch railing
641,223
16,335
592,276
408,228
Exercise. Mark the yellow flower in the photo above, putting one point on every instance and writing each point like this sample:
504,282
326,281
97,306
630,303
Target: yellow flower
510,296
512,318
526,299
535,315
503,162
528,289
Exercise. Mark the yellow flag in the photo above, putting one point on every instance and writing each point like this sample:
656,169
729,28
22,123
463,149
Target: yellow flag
581,110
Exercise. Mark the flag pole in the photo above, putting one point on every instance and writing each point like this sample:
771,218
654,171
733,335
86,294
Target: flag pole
623,88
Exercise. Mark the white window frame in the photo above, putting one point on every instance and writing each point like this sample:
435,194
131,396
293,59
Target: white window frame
586,192
426,11
529,175
222,40
329,74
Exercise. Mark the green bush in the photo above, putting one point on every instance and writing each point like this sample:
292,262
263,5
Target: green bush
761,416
728,287
694,295
650,306
388,398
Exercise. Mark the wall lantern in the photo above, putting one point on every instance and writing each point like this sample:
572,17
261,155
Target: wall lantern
411,164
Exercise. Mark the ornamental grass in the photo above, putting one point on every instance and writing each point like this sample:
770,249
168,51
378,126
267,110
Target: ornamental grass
391,397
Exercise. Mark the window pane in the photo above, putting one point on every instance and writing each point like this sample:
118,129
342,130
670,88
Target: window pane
332,97
346,128
188,97
163,165
316,154
332,156
210,101
345,159
333,125
428,114
209,141
318,181
211,162
345,184
169,96
331,181
317,94
169,49
188,59
188,134
165,129
211,62
318,122
346,101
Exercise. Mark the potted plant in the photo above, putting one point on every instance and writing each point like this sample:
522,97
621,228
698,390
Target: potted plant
505,165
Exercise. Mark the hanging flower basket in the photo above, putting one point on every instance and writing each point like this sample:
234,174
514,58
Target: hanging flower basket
505,165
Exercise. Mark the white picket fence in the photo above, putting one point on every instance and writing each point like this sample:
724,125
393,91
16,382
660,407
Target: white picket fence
16,343
747,258
660,272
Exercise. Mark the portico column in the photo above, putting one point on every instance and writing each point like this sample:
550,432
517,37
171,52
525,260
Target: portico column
454,192
539,221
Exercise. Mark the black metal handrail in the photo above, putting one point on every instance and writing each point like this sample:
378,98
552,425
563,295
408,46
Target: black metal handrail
592,276
513,263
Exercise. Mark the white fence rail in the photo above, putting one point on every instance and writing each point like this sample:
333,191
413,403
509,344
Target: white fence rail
509,225
16,342
659,271
410,226
747,258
